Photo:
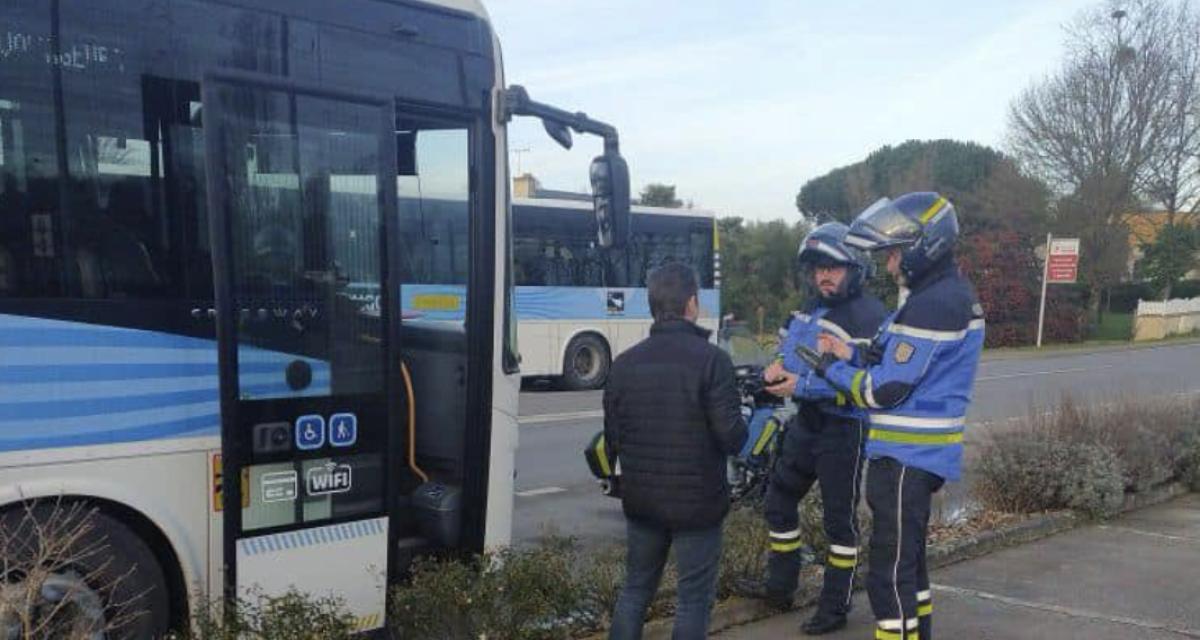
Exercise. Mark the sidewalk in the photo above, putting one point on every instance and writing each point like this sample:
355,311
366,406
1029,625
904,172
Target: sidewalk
1135,577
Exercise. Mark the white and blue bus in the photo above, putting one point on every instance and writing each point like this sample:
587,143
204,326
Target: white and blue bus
223,225
578,304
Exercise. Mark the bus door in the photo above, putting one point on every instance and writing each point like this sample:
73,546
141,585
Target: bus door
302,195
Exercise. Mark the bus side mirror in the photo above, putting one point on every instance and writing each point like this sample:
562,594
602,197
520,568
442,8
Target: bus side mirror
560,133
610,199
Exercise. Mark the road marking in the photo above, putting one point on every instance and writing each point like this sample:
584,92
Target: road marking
1028,374
1068,611
546,418
1150,534
544,491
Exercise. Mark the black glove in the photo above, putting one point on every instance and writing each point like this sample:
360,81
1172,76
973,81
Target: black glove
818,361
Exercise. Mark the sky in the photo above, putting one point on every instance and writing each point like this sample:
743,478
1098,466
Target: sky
738,103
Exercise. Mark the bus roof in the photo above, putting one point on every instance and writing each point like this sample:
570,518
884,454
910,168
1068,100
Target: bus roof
582,205
474,7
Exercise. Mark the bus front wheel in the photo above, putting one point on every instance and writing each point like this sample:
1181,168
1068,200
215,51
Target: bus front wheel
586,364
81,573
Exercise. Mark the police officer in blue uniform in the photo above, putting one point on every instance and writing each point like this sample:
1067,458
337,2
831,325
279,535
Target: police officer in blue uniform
916,379
824,442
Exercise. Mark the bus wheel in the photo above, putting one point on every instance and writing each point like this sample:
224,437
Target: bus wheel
587,362
82,574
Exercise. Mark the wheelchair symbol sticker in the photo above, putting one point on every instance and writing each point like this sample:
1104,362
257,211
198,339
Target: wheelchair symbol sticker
310,432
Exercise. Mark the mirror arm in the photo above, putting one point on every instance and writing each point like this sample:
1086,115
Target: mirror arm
516,102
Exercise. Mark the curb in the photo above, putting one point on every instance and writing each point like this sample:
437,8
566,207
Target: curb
737,611
1067,349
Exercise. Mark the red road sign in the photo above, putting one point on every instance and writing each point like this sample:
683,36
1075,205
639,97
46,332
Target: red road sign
1063,267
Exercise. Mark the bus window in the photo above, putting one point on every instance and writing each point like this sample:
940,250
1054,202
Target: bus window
434,205
8,276
700,252
80,184
556,248
12,179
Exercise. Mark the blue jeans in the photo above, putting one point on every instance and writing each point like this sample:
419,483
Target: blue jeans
697,557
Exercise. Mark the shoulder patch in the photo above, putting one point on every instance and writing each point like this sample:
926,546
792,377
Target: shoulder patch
904,352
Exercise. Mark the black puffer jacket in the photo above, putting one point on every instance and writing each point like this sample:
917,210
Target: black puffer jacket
671,416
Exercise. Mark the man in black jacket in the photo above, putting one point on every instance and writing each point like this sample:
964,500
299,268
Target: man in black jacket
671,417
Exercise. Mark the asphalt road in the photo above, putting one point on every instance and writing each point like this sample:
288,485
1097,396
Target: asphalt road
556,493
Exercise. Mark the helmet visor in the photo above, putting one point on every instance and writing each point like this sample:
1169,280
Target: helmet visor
882,225
821,253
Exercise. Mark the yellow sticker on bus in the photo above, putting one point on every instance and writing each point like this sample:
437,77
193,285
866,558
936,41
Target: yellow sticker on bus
437,302
218,485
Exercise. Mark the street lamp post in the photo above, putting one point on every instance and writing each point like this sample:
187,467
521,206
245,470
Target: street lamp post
1123,53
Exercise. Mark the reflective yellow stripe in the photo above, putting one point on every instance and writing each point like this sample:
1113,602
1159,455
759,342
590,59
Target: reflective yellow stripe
915,438
785,547
925,609
602,457
881,634
840,563
856,387
764,437
841,399
931,211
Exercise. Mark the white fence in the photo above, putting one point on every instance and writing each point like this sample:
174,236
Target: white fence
1158,320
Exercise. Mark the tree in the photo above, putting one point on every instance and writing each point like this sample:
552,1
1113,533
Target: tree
952,167
1173,176
660,195
1093,130
1170,257
1001,209
757,261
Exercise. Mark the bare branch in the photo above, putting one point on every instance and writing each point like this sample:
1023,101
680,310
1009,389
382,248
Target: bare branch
58,579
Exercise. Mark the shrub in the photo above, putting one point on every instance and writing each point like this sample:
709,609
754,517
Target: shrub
1018,473
1124,297
291,616
743,550
1186,445
1002,266
1186,289
1142,433
1066,315
1189,461
1085,458
1144,450
1092,482
515,593
602,577
1024,473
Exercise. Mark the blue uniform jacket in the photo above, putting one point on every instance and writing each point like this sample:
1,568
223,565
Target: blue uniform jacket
917,376
855,320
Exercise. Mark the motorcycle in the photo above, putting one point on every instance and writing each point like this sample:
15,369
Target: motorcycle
766,416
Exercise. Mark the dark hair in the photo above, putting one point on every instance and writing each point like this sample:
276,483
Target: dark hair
670,287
